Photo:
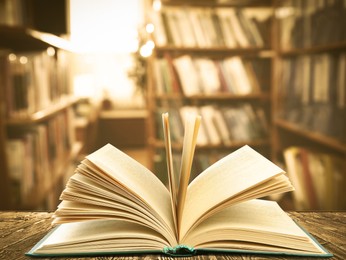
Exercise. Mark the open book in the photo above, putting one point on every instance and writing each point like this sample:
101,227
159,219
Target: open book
114,205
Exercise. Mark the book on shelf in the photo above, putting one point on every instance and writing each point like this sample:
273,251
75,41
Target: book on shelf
35,153
114,205
208,114
185,111
187,74
14,13
161,38
208,75
163,80
202,38
226,28
20,168
311,23
245,122
201,161
191,76
199,27
174,28
313,92
222,125
33,81
318,178
236,76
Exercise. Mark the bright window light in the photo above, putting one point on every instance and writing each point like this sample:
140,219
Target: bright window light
104,34
105,25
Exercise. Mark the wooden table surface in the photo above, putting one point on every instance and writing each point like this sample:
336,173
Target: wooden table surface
20,231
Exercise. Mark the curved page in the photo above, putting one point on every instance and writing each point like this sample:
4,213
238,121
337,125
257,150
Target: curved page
239,171
135,178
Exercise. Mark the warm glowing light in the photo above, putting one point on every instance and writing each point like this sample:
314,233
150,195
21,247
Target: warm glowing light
284,12
150,44
146,50
23,60
50,51
84,85
149,28
157,5
12,57
105,33
51,39
114,30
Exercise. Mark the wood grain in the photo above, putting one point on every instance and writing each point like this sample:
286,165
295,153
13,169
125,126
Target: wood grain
20,231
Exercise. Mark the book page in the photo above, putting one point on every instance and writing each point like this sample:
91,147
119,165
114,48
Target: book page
192,124
253,225
100,236
85,198
136,179
171,175
226,179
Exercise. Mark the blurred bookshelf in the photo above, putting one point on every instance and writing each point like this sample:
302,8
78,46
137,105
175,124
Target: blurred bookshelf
290,97
213,59
309,100
270,74
38,146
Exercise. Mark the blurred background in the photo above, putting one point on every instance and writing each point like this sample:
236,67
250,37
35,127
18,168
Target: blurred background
78,74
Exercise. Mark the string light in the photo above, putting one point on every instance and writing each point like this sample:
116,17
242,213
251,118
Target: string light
149,28
157,5
147,49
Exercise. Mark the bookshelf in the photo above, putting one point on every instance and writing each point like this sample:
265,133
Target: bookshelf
192,69
37,135
309,100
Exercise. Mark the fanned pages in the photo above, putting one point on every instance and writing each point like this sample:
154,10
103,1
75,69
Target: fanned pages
114,205
192,124
170,171
227,177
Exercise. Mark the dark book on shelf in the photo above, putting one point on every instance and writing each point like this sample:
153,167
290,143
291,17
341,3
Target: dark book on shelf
313,88
318,178
114,205
208,27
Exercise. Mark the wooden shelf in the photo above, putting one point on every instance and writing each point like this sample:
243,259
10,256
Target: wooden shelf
217,96
13,37
42,143
178,146
39,194
123,113
259,60
313,136
313,49
215,51
211,3
43,114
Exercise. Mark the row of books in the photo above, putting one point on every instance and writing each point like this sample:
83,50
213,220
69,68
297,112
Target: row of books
14,12
313,91
190,76
36,153
319,179
210,27
34,80
220,124
313,23
201,161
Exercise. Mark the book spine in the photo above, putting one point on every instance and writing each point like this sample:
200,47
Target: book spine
208,27
222,124
313,87
35,81
37,155
190,76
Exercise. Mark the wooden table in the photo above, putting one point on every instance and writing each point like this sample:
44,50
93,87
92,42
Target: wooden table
20,231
